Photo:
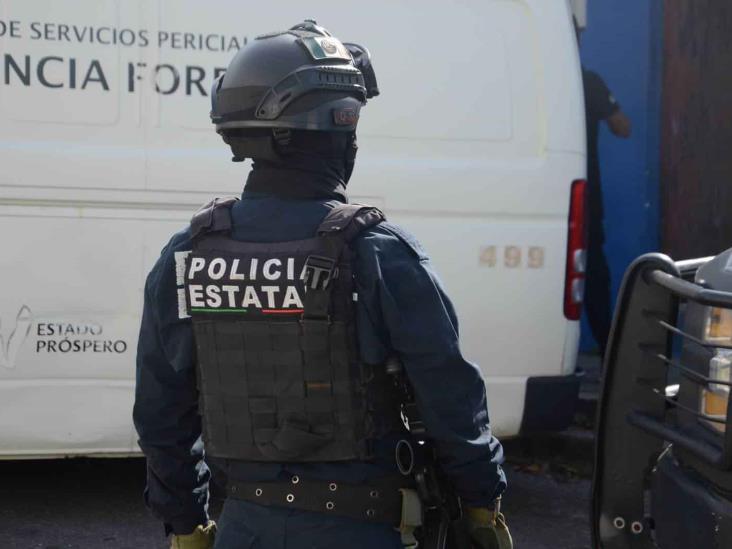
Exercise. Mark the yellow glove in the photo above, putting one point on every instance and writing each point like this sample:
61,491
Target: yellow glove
487,528
201,538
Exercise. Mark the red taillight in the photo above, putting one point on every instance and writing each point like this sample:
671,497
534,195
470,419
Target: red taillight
574,281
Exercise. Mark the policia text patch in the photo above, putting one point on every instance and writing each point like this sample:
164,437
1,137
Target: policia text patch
223,283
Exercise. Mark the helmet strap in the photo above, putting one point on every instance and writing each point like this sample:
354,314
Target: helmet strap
350,155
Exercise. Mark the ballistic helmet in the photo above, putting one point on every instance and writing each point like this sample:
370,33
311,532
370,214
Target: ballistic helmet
299,79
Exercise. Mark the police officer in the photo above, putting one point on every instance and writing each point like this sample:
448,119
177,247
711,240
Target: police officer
268,322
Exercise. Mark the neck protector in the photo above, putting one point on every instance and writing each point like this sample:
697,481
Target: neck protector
309,165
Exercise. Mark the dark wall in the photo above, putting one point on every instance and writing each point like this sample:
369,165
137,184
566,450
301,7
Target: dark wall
696,128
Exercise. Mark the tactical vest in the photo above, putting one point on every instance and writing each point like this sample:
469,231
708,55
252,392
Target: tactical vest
278,368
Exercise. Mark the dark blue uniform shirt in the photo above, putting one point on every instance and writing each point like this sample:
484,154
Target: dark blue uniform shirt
401,307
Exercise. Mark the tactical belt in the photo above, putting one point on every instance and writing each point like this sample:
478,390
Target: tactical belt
377,502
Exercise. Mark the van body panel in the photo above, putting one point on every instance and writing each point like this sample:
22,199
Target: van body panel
472,146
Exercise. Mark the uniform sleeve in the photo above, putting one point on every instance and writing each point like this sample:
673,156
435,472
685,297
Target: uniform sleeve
402,292
601,102
166,406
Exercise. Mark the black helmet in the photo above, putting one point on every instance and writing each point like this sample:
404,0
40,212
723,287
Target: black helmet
302,79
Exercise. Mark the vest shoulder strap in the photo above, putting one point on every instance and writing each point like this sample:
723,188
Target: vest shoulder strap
213,217
350,220
342,224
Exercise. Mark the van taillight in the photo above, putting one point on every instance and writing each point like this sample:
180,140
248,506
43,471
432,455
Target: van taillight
574,282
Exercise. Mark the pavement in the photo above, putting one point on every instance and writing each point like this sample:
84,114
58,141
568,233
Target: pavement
97,503
591,367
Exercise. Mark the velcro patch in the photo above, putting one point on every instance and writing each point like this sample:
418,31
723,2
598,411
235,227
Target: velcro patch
222,283
345,117
325,47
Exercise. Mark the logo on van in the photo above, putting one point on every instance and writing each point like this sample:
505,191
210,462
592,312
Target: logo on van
9,348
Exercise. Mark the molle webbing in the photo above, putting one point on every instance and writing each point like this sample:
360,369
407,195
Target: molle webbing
281,384
274,392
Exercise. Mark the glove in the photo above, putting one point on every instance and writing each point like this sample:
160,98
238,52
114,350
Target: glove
201,538
487,528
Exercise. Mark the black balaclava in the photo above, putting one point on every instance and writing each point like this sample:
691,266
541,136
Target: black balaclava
307,165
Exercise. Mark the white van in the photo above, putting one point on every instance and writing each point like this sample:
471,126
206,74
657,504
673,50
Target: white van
106,149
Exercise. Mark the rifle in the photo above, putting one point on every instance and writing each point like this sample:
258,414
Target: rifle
416,457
